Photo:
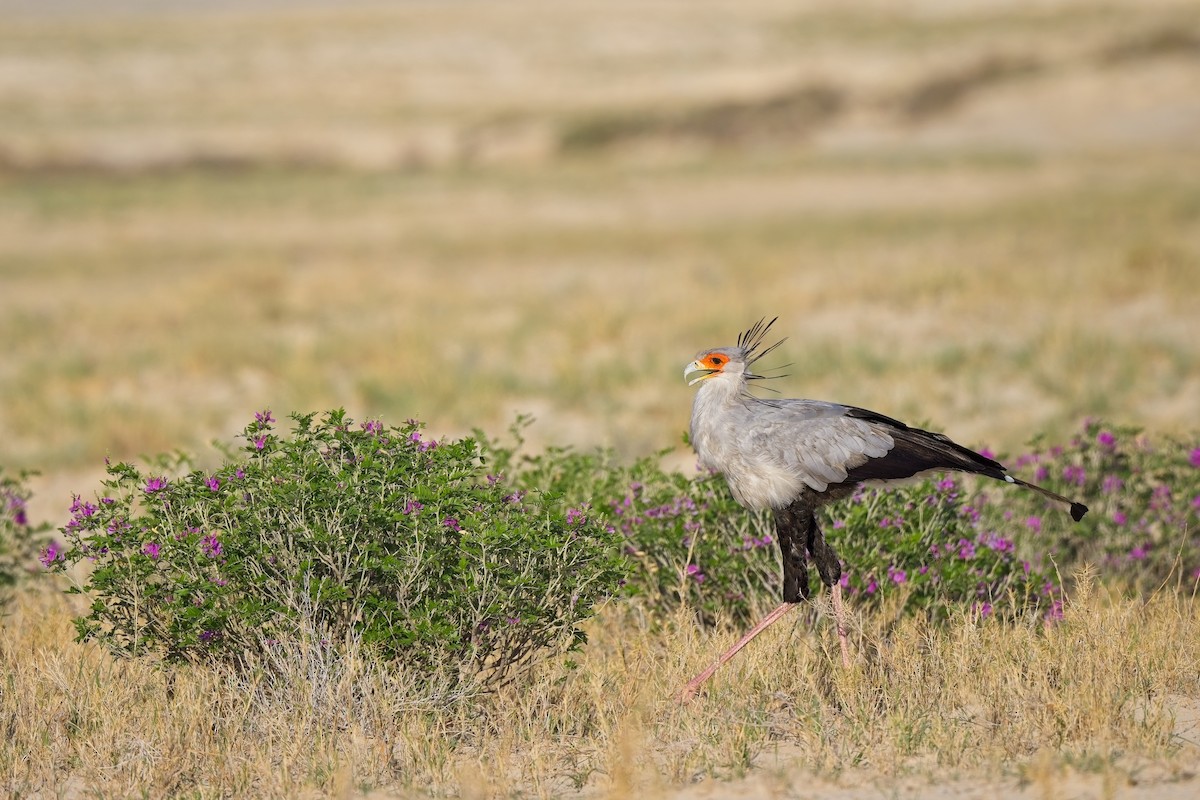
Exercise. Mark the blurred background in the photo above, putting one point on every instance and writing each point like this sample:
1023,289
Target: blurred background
984,216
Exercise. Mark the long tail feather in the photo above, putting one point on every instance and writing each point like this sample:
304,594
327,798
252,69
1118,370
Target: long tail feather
1077,509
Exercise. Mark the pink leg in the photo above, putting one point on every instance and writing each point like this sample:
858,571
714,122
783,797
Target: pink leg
839,614
695,683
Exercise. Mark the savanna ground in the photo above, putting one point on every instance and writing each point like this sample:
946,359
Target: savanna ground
983,217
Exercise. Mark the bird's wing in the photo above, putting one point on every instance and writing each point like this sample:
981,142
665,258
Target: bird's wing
817,441
828,443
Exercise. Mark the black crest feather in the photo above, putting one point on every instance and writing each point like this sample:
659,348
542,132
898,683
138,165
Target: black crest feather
750,340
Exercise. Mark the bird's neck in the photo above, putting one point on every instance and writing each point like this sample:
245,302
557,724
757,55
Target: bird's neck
715,400
721,392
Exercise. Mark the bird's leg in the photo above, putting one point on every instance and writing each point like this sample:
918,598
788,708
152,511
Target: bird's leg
695,683
790,529
830,568
839,614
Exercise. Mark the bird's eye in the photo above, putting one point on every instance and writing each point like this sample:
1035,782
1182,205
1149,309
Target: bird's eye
716,361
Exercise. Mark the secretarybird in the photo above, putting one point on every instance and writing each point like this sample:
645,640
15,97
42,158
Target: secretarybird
794,456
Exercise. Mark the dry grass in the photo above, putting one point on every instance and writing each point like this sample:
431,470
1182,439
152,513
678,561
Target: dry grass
985,217
1112,691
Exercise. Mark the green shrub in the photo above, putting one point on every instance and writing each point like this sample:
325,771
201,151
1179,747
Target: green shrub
363,532
19,539
1143,526
934,546
917,545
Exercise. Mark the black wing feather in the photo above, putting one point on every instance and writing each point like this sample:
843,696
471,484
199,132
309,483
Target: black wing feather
918,451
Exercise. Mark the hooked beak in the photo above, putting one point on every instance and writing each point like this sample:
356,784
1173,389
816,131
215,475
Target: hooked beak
696,366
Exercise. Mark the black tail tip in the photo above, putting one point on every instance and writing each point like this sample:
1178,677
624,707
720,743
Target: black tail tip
1077,511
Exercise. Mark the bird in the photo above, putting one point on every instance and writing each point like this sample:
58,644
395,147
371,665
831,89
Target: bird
793,456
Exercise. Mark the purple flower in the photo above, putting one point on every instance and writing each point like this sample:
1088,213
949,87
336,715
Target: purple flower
1139,553
1034,524
1194,458
240,474
494,479
898,576
1055,612
155,485
372,426
1041,473
575,516
50,553
207,636
987,453
984,609
1106,439
150,549
452,524
696,574
260,442
838,524
1073,473
1196,503
872,586
1119,517
413,507
998,543
1112,484
426,446
211,545
81,509
264,417
966,549
515,497
213,483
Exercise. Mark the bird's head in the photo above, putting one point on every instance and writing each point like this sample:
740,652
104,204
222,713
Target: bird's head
733,363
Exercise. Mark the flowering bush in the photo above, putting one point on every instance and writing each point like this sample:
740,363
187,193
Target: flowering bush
1144,495
935,545
353,530
917,544
690,543
657,515
19,539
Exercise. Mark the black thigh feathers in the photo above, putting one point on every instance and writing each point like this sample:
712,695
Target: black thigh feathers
799,537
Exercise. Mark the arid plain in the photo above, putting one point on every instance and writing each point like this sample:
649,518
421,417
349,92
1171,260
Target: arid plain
984,217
